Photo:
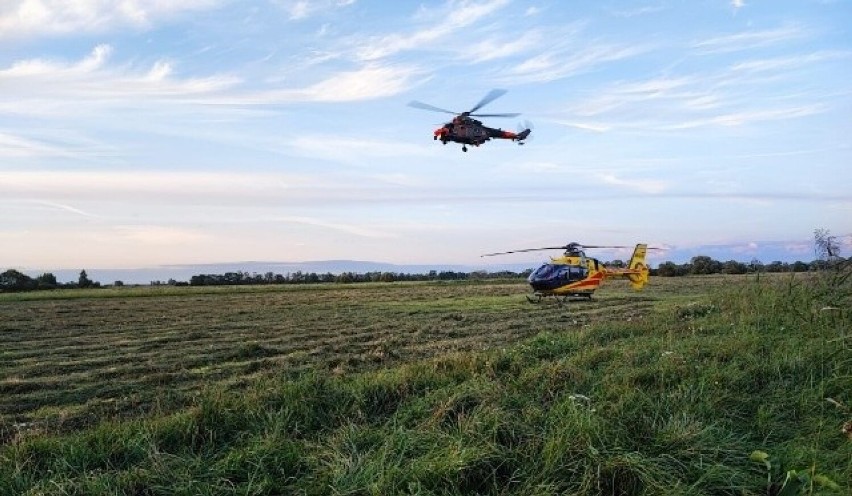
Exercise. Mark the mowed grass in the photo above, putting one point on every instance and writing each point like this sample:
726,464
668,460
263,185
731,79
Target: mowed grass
433,388
69,358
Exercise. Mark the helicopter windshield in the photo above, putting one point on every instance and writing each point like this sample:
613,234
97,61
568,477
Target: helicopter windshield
543,272
549,276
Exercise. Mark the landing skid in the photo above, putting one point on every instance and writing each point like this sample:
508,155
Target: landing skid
560,300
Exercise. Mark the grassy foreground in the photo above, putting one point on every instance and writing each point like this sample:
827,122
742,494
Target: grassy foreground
674,403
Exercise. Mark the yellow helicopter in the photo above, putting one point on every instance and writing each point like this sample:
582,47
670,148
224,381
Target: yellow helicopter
576,275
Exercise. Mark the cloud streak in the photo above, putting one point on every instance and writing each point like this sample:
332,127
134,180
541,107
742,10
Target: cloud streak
33,18
750,40
30,86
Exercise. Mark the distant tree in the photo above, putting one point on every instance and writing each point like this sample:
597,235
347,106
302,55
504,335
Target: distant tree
703,264
826,246
799,266
777,266
13,281
47,281
83,281
667,269
617,263
734,267
118,283
755,265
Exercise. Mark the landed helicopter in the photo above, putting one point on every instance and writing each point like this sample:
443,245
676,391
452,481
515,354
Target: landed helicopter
575,274
466,130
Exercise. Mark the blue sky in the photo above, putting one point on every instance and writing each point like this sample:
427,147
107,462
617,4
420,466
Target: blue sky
137,133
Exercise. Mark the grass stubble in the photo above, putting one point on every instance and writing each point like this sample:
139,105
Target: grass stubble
434,388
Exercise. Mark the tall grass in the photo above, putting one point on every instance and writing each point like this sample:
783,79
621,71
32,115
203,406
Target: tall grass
673,404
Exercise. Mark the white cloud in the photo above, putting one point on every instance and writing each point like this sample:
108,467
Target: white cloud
789,63
302,9
639,11
21,18
352,149
63,207
650,186
372,81
738,4
112,184
31,86
568,61
160,235
750,39
51,85
492,49
341,227
455,16
746,117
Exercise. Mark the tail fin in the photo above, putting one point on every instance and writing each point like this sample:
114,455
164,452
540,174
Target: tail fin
523,134
638,270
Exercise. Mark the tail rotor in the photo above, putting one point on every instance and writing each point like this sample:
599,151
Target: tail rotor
523,134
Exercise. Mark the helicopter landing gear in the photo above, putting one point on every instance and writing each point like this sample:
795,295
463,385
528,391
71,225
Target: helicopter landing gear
464,148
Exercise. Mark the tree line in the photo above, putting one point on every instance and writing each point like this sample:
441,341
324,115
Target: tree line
15,281
826,248
299,277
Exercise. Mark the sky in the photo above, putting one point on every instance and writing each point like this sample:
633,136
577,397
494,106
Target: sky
137,133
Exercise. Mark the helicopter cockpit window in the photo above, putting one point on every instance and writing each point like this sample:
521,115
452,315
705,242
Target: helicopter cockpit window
543,272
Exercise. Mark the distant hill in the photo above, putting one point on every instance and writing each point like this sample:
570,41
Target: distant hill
764,251
145,275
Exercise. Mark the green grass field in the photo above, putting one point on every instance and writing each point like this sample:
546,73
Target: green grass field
429,388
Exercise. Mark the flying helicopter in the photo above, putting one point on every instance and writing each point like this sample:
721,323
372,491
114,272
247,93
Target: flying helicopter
466,130
574,274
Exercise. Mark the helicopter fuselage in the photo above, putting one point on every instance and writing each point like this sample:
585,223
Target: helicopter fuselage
469,131
575,274
568,275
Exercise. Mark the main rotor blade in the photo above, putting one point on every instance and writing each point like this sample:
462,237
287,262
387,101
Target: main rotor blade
426,106
495,115
525,250
604,246
490,97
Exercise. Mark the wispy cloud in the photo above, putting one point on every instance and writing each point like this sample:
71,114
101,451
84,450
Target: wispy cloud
650,186
21,18
742,118
65,208
303,9
17,146
91,79
639,11
347,149
161,235
789,63
748,40
31,88
111,184
494,48
723,97
453,17
568,61
347,228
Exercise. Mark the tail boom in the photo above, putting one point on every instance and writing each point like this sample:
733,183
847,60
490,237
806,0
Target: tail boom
637,271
